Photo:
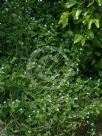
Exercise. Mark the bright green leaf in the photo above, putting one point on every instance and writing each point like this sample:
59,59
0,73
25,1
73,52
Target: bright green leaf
77,38
82,40
90,4
76,13
91,21
71,3
64,19
97,23
99,2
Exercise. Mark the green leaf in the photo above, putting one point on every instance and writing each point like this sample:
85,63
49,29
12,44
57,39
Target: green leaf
77,38
70,3
82,40
64,19
99,2
97,23
70,33
90,4
76,13
90,34
91,21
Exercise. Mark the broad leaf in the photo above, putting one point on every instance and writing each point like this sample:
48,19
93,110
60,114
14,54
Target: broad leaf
99,2
64,19
71,3
76,13
82,40
90,34
77,38
97,23
91,21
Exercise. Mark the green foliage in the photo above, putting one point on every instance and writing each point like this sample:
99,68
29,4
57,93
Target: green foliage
50,76
84,21
64,19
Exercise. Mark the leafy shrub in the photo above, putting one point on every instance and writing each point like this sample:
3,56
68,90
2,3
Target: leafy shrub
83,20
46,88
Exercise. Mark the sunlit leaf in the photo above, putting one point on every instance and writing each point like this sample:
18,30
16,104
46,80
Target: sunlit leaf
82,40
97,23
71,3
77,38
99,2
64,19
76,13
91,21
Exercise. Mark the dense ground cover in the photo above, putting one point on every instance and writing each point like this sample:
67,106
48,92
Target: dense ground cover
50,68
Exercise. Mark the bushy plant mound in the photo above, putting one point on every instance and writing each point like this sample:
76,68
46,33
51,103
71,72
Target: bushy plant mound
50,77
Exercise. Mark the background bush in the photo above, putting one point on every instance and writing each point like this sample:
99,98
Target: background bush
50,67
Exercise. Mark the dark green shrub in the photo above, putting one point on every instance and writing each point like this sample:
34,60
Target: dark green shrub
50,86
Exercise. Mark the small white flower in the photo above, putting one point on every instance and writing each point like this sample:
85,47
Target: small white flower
87,117
67,83
53,77
93,133
50,100
70,70
81,49
29,131
2,67
13,102
58,87
62,97
4,102
49,96
66,63
17,100
76,98
98,80
88,113
21,110
25,72
37,111
57,109
87,122
92,124
53,84
90,78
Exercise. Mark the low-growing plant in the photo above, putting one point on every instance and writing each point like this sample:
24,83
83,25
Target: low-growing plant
46,88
